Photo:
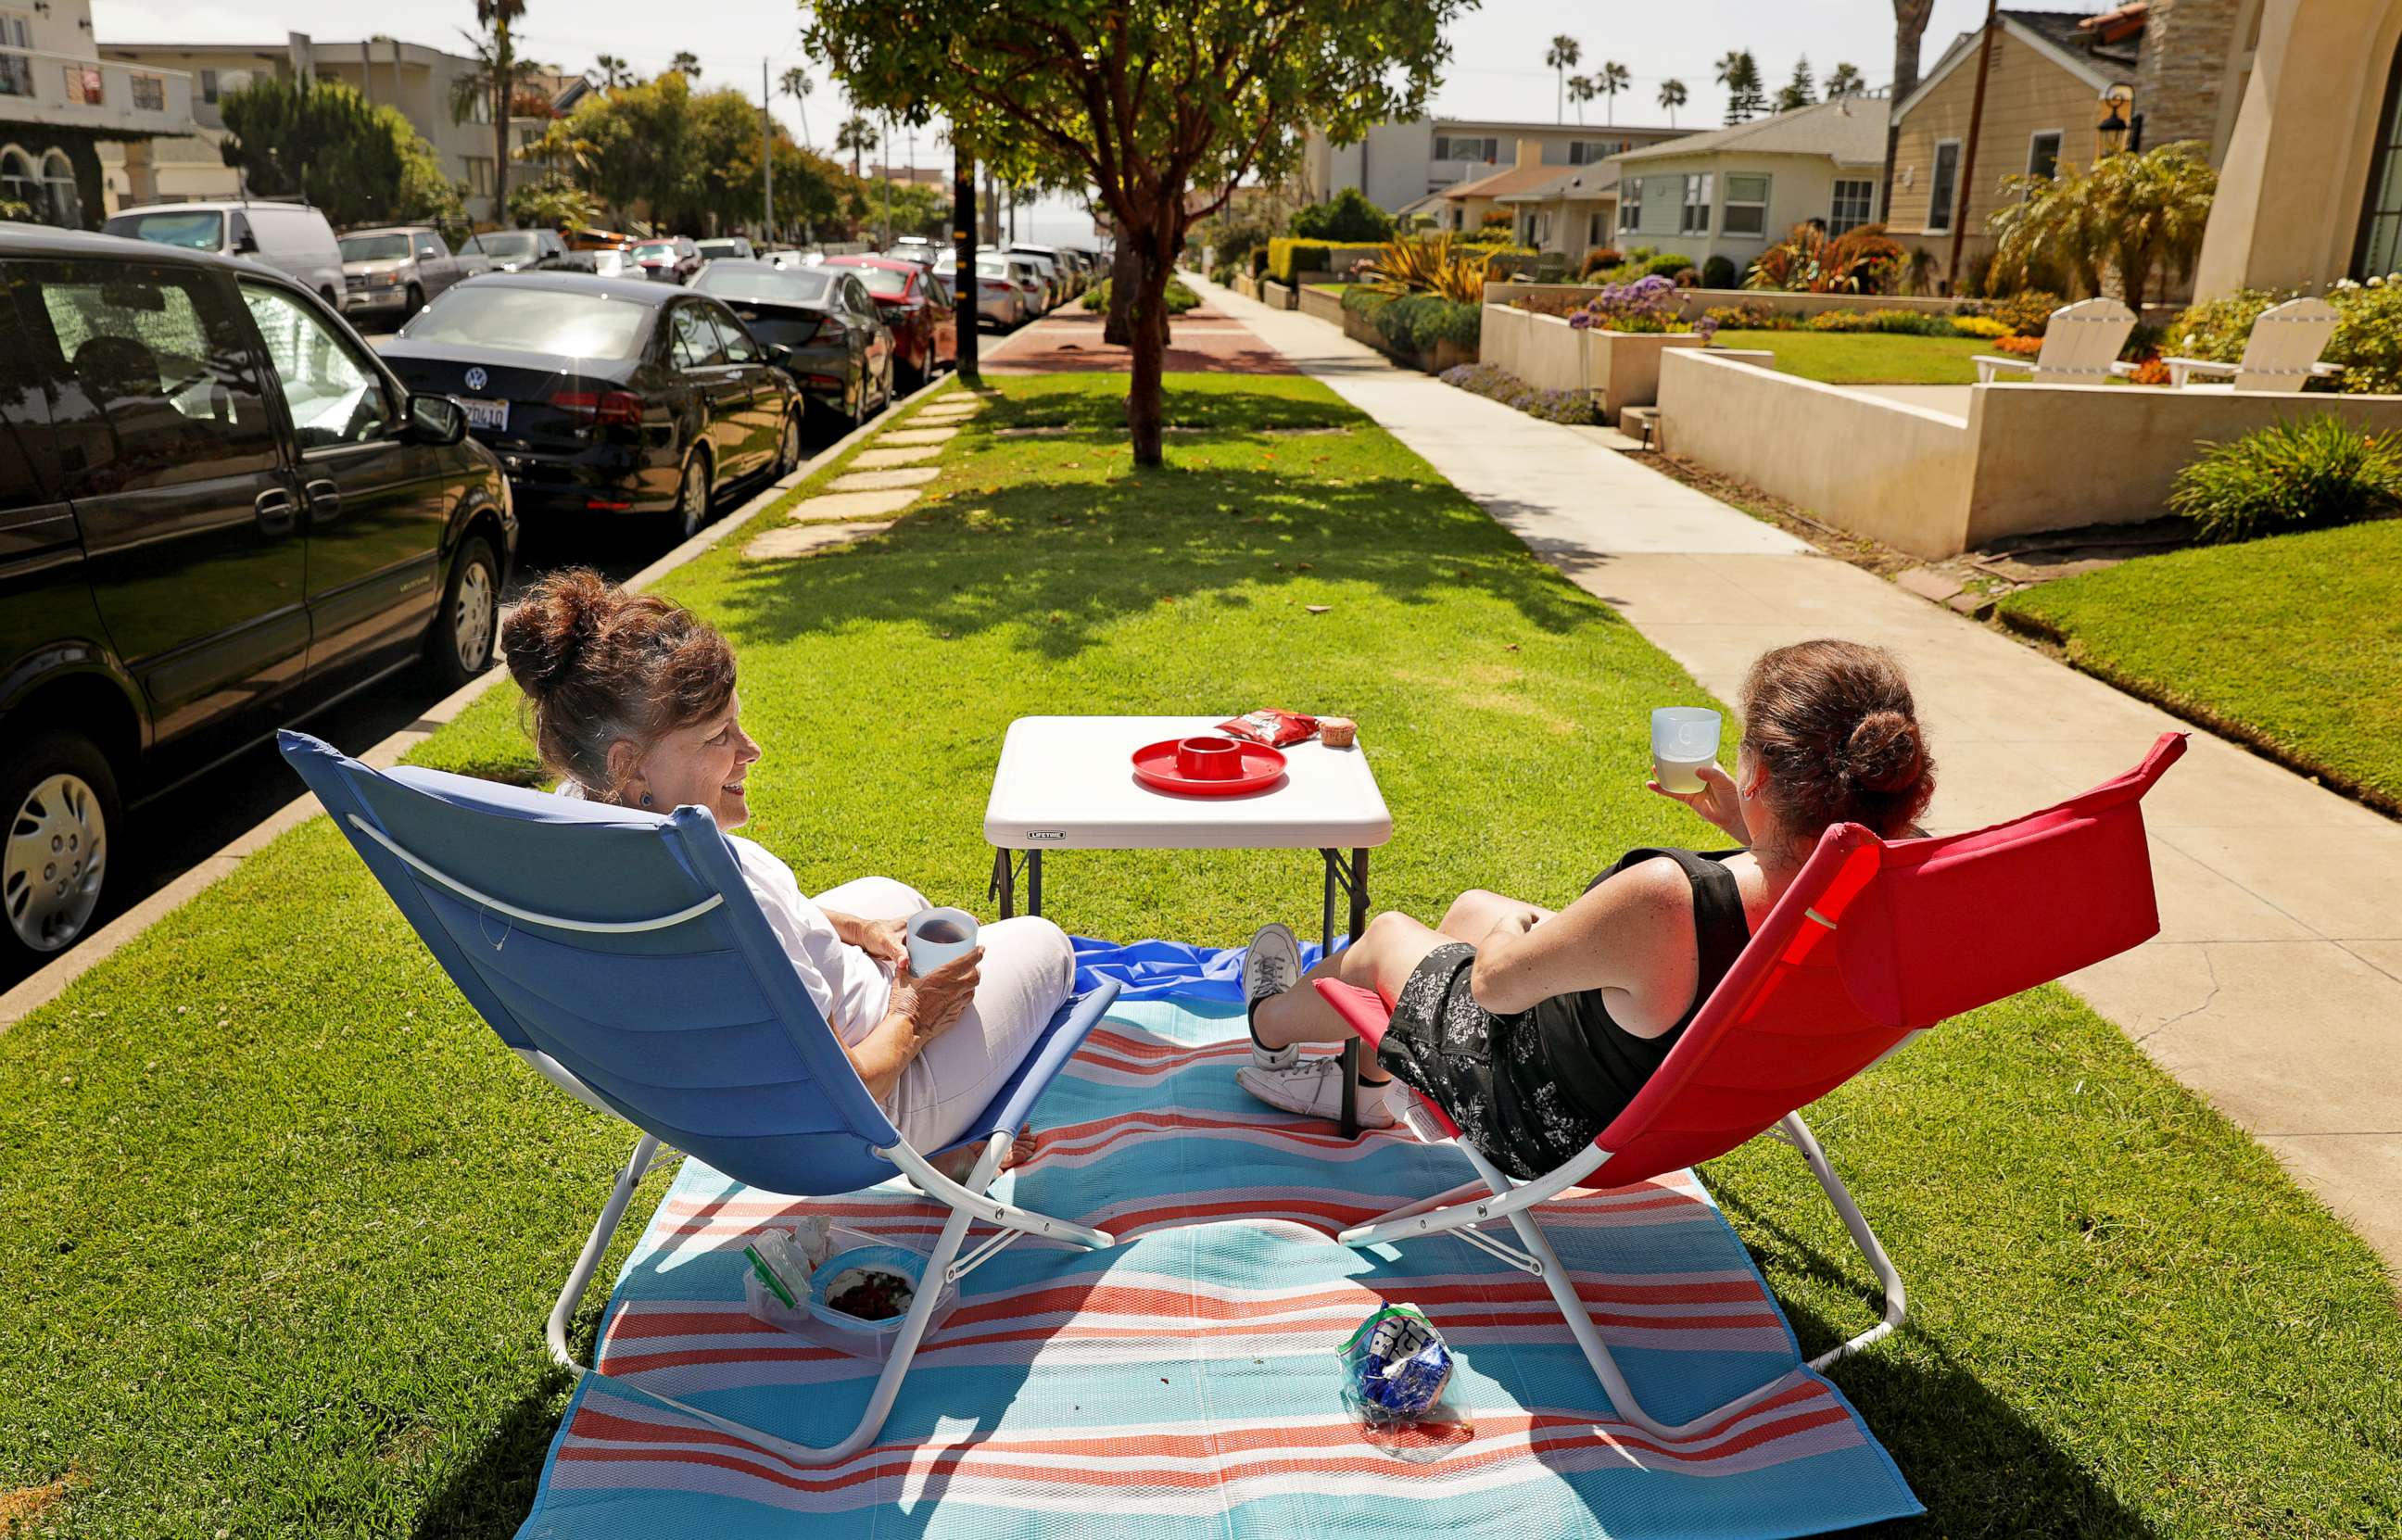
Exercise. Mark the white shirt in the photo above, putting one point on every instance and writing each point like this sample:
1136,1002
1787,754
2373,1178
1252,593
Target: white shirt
852,990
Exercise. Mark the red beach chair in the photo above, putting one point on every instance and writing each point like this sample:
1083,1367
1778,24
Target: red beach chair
1876,941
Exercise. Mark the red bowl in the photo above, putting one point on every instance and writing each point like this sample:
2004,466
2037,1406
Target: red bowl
1156,766
1210,759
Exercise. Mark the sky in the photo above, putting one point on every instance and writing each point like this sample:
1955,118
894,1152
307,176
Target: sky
1497,69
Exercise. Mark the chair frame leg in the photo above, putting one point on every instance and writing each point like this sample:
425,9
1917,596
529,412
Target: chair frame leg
967,1203
1514,1202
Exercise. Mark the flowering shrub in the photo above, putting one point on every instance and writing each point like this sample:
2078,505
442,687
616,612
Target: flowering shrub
1860,261
1647,305
1752,315
2019,347
1600,257
2153,370
1911,323
1490,380
2367,341
2027,311
1979,325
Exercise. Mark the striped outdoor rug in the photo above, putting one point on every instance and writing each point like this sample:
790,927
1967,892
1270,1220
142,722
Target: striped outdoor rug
1185,1383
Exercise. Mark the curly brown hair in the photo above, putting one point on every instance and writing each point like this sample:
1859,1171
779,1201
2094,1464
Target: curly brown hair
1834,724
599,665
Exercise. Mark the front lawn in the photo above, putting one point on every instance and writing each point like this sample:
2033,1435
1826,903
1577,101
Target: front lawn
2292,642
282,1218
1867,358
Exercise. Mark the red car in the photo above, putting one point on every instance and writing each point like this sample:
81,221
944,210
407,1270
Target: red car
918,308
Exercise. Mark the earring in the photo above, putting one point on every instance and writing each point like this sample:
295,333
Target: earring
646,799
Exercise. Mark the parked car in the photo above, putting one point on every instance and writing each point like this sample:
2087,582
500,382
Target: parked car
607,395
219,513
1002,301
922,254
517,251
1064,271
290,238
917,306
670,260
835,342
601,262
389,274
735,246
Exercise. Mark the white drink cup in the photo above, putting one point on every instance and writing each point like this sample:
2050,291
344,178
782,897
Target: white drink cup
1684,738
938,936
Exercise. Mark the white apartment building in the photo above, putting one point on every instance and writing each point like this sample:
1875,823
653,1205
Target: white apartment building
1403,168
61,105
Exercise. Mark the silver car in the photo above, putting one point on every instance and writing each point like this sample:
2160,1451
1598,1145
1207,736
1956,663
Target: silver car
389,273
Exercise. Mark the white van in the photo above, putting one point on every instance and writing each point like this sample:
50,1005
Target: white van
292,238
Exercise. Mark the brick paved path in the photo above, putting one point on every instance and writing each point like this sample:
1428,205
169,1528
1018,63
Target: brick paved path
1069,341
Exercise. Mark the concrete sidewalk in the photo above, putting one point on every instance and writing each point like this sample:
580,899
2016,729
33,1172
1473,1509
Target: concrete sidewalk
2276,985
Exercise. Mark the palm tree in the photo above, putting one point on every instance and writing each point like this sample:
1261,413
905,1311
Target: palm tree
613,72
1563,56
1672,96
1801,91
2133,214
1844,80
495,80
1910,18
686,63
797,85
857,135
1613,79
1581,89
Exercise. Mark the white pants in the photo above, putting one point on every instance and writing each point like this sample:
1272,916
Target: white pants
1029,969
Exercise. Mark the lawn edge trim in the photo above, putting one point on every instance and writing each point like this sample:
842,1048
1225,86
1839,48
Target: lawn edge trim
46,983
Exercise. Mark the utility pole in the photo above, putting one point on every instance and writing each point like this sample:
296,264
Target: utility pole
1966,191
768,149
963,246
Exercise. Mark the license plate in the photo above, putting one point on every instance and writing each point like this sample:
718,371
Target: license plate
485,414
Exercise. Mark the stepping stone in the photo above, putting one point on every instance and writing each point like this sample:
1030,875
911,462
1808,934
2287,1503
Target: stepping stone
1929,584
878,481
800,539
840,505
954,405
877,460
920,435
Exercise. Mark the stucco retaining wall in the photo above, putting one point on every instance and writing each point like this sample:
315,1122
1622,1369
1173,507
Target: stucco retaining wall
1620,368
1322,304
1692,302
1274,293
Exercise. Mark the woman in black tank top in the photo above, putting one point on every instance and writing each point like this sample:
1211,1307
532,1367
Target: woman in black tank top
1534,1029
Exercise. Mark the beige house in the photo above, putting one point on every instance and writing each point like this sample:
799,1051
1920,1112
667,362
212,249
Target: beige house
2310,187
2045,88
1403,167
1732,192
1572,214
63,108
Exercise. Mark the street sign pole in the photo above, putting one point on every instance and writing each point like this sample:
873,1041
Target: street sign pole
963,246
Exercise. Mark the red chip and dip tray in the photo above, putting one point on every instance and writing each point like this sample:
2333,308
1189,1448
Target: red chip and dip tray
1208,766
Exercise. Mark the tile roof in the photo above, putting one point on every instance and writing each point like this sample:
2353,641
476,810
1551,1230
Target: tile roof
1572,182
1850,131
2068,31
1511,179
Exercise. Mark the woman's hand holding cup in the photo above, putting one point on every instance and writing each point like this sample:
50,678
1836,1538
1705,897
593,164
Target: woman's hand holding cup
939,998
1717,801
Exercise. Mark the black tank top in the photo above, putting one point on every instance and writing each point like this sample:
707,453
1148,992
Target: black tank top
1598,1063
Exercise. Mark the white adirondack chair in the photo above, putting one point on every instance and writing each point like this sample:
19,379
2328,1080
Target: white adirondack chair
2281,354
2081,342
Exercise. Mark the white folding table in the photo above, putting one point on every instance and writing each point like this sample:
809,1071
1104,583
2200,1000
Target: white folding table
1068,783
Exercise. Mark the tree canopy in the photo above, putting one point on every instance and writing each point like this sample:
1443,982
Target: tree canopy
322,143
691,154
1346,216
1142,101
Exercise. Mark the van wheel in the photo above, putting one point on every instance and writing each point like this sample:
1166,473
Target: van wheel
459,643
60,798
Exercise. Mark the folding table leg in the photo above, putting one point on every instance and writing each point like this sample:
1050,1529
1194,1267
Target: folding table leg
1348,1123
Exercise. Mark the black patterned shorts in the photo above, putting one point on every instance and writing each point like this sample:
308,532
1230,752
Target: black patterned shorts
1487,1072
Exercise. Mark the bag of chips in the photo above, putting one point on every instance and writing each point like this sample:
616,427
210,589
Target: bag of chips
1274,728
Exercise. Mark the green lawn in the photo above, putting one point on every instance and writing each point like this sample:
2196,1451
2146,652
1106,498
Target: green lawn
2294,643
282,1218
1868,358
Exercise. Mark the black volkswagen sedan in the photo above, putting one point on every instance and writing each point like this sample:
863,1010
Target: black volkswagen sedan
840,349
606,395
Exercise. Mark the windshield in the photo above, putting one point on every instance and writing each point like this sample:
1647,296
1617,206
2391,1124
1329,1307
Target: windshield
501,317
662,250
758,283
373,248
721,248
506,244
201,232
884,284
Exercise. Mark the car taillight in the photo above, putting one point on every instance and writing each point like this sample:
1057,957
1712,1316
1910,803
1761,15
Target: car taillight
831,330
606,408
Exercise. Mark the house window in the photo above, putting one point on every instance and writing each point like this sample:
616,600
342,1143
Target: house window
2043,154
479,177
16,72
63,200
1746,205
83,84
1596,229
1699,190
1630,203
20,182
2379,250
1945,188
209,87
150,93
1593,152
1453,147
1855,200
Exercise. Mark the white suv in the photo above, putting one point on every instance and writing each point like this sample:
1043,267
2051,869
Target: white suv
292,238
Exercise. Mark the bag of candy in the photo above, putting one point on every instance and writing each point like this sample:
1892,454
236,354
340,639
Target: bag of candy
1274,728
1394,1369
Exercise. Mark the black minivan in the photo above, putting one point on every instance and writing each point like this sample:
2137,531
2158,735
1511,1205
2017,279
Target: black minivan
219,512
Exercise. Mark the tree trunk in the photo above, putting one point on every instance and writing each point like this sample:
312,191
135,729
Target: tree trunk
1126,277
505,57
1910,18
1147,324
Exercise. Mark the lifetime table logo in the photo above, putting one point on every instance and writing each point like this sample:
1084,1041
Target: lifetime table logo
1046,833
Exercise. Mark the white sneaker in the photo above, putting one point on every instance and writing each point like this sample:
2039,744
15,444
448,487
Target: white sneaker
1314,1089
1271,966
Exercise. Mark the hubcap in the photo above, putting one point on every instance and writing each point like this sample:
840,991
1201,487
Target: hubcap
471,624
695,497
58,846
791,444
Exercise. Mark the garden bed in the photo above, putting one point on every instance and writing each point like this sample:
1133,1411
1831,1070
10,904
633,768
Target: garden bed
1866,358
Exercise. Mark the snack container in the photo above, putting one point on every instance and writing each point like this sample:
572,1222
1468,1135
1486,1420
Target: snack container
1337,731
821,1324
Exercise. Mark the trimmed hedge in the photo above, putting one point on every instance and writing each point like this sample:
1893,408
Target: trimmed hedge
1289,257
1180,297
1415,322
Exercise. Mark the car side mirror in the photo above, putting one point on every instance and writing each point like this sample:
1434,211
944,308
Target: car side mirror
779,354
436,419
244,244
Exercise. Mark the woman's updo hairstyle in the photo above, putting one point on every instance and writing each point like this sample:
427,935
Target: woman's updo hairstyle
598,664
1834,724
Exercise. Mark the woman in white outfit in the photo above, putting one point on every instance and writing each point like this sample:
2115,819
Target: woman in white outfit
633,702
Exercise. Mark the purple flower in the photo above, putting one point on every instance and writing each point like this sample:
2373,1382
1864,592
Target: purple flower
1581,320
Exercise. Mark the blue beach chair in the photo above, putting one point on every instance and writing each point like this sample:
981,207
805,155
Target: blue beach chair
621,955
